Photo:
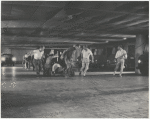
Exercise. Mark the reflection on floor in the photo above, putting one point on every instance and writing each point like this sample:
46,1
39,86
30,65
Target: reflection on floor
100,95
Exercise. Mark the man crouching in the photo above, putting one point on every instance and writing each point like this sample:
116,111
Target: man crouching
48,65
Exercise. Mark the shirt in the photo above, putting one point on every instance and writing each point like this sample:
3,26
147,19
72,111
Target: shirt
86,53
78,52
120,53
38,54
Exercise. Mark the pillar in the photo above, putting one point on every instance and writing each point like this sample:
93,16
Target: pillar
141,41
126,47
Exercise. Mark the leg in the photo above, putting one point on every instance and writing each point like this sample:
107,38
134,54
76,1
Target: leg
83,66
25,64
50,70
70,69
122,65
42,65
32,63
67,66
39,66
29,64
36,65
86,67
117,66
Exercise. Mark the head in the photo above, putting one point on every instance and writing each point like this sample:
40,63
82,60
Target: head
85,47
41,48
51,52
38,47
120,47
81,46
77,46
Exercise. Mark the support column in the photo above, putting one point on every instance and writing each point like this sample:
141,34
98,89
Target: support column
141,41
126,47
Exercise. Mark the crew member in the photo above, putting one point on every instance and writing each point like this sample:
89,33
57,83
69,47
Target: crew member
37,61
26,61
86,53
121,55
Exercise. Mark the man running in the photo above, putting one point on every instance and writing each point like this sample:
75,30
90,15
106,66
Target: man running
37,61
86,53
121,55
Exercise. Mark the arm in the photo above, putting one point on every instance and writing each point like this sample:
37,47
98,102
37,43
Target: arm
31,53
55,56
62,56
43,56
116,56
92,56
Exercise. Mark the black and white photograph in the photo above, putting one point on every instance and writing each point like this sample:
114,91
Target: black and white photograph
74,59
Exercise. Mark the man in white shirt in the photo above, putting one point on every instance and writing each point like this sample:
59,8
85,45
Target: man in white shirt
37,61
121,55
86,53
26,61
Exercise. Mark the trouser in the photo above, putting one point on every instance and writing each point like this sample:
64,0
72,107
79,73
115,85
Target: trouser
47,69
23,63
120,62
85,65
27,64
38,65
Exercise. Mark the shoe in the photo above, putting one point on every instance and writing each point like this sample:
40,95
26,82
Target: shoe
120,75
80,73
83,74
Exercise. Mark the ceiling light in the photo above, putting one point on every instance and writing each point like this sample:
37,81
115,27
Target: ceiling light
70,16
82,33
107,41
124,38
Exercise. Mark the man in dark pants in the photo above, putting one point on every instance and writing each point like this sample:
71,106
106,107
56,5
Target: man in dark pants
38,53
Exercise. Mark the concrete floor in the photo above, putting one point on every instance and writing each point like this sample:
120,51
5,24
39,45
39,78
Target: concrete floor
99,95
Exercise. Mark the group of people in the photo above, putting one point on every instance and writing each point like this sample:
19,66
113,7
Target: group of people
40,61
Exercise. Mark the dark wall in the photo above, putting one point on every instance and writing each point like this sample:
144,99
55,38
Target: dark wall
108,49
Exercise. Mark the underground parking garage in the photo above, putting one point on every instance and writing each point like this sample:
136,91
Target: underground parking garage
100,25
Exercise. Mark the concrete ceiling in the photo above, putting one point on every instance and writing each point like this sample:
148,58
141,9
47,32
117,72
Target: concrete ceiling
63,23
